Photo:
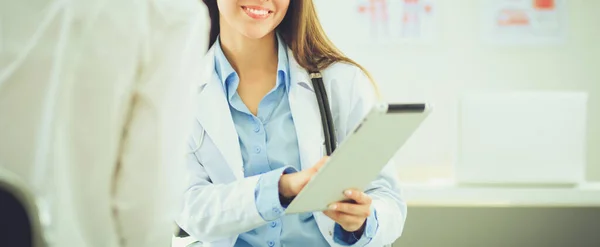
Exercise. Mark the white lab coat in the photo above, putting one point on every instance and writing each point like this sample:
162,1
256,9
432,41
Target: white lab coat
220,203
95,106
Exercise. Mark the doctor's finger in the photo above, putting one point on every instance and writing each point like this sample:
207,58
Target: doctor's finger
320,164
360,210
358,196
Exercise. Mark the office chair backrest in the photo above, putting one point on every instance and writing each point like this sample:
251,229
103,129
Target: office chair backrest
19,224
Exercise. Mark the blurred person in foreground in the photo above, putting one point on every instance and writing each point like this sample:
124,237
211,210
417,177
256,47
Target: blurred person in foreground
95,110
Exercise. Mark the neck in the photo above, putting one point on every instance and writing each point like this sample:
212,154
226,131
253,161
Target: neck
249,55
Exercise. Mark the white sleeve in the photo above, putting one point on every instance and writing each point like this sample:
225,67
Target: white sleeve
213,212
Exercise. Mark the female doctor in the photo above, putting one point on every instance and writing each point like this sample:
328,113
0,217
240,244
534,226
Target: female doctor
258,136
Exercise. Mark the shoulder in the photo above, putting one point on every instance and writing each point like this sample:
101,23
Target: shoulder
342,71
352,94
349,82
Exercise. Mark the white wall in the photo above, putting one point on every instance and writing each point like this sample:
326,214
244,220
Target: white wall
458,60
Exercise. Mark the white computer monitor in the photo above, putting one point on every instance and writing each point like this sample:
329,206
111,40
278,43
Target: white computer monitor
521,138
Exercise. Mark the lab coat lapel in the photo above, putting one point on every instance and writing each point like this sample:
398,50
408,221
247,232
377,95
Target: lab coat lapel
215,117
305,112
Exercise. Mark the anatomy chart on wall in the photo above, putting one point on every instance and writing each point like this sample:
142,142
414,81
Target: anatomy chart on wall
396,20
524,22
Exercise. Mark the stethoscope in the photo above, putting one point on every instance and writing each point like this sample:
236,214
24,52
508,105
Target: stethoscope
324,109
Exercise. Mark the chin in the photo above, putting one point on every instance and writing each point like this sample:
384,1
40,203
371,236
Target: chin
256,32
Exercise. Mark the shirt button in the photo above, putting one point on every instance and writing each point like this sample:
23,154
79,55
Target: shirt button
273,224
276,210
271,243
256,129
257,150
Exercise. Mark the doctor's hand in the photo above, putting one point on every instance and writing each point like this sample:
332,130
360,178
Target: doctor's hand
351,215
291,184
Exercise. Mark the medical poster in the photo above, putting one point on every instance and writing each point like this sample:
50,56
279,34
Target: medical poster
524,22
385,21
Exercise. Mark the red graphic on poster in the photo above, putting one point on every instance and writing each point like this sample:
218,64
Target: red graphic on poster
525,22
392,19
410,18
378,14
377,9
544,4
428,8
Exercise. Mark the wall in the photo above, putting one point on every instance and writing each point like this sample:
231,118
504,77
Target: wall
458,60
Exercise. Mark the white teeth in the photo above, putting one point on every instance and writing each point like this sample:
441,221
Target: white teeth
258,12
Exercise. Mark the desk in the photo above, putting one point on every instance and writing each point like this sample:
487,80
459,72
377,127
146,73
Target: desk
447,215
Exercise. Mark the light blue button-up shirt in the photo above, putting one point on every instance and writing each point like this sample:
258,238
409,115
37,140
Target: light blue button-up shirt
269,146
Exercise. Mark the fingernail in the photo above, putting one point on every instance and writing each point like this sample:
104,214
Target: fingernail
348,192
332,207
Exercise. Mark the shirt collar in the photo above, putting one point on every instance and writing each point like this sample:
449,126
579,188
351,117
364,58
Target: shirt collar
225,70
222,66
283,63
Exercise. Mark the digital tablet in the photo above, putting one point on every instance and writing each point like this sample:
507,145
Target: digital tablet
361,156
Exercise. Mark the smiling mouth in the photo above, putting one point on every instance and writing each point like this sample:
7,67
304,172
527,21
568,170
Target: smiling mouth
256,12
